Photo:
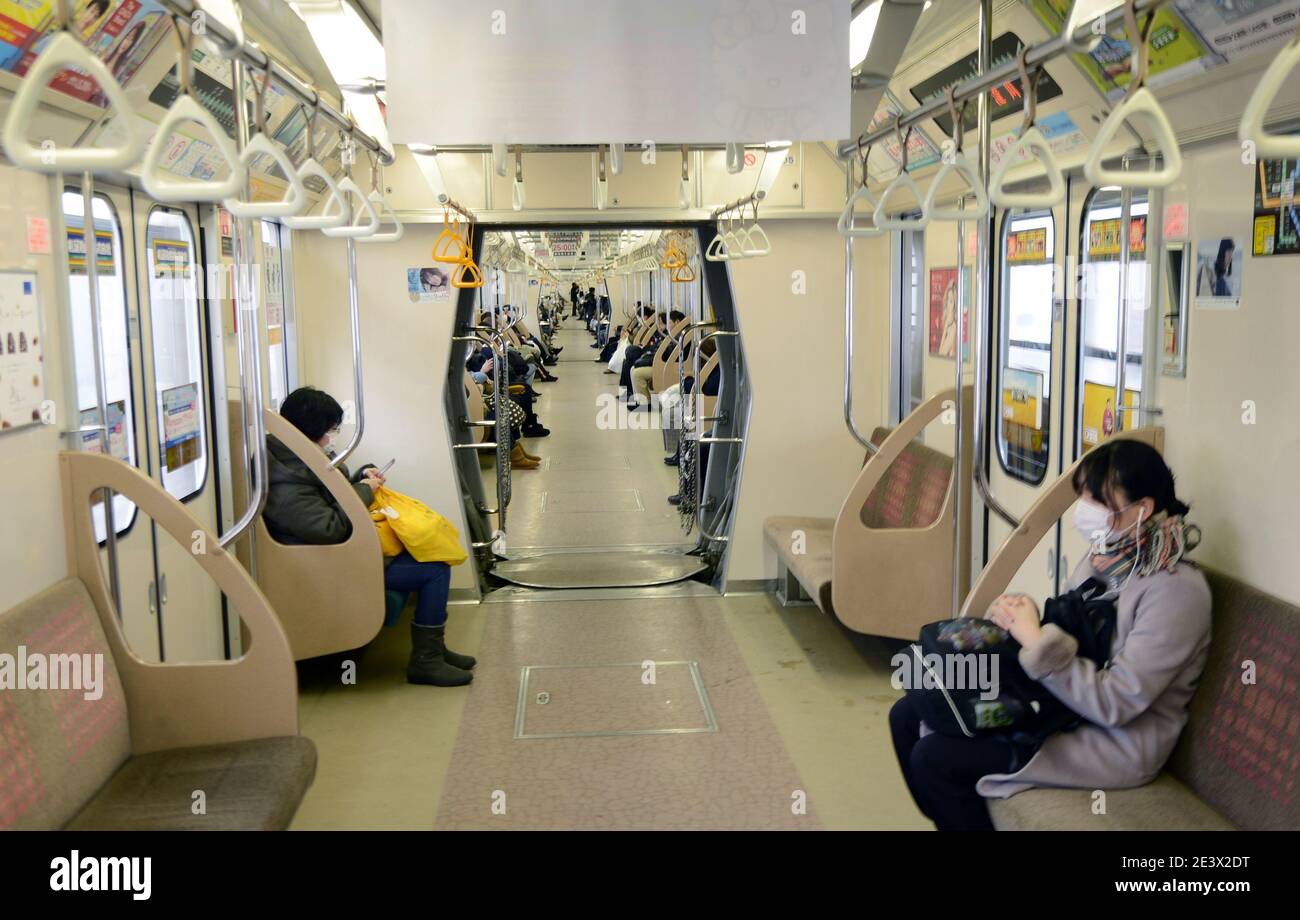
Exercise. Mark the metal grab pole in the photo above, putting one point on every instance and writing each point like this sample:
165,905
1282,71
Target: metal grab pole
983,284
871,448
1121,350
101,374
354,308
701,440
959,446
249,324
501,392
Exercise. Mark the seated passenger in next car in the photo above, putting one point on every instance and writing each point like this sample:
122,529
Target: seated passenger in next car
1134,708
300,509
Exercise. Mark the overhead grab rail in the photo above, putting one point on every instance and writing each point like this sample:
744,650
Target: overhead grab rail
1251,130
295,198
964,168
64,52
1036,56
1137,100
1029,140
335,212
168,187
902,182
845,225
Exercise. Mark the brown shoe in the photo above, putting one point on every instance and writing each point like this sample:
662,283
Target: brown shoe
524,450
520,461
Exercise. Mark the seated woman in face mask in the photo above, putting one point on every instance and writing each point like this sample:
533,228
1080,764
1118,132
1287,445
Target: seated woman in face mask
299,509
1135,708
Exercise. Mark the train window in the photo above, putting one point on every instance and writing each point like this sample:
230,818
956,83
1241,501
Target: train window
276,329
912,328
1025,344
177,354
116,347
1099,304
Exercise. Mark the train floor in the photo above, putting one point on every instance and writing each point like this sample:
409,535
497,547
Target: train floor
751,716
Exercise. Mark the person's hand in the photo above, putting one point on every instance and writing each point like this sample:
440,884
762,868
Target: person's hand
1018,615
373,477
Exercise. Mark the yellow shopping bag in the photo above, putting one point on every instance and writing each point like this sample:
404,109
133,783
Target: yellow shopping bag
388,541
426,534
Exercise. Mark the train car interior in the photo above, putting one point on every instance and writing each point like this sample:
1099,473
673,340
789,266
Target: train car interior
727,415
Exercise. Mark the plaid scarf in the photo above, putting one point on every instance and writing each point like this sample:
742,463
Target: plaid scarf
1156,545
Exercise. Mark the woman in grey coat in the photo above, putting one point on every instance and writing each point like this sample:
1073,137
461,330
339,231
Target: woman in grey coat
1135,707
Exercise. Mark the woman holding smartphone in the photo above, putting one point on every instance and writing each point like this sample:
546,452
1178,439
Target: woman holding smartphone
299,509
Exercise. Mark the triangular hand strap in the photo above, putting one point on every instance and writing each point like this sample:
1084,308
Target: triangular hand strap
1031,140
966,169
166,187
717,251
334,214
845,225
386,215
1143,101
295,197
467,268
1251,130
355,230
756,242
904,180
450,247
63,52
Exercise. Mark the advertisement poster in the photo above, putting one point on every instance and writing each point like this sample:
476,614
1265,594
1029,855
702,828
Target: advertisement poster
22,370
104,253
1059,130
1241,27
180,412
121,33
1177,50
1218,273
1105,238
943,313
171,258
428,285
92,441
1100,420
1022,402
1027,245
1277,224
921,151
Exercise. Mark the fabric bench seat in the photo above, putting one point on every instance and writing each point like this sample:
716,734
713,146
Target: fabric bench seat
1165,804
811,569
248,785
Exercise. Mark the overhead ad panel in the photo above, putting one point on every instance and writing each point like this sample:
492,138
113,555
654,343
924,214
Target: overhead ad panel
601,71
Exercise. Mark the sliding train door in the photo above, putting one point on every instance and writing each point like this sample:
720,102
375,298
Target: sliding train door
175,360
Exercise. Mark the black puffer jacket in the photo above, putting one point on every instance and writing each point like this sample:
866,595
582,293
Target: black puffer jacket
299,509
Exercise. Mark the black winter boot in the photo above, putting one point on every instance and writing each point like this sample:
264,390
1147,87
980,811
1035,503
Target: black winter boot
429,664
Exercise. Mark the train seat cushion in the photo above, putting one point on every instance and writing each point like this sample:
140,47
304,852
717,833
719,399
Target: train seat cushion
246,785
913,489
1164,804
63,717
1240,751
812,567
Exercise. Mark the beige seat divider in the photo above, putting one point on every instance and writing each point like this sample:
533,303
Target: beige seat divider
477,409
197,703
708,404
328,598
1053,502
892,581
665,367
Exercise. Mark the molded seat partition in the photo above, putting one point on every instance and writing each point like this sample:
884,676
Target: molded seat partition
327,598
132,757
893,553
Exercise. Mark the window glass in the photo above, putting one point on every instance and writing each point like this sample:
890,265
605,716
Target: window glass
1099,299
177,352
913,323
1025,345
277,346
116,344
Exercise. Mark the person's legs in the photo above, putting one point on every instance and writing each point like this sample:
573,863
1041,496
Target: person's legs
431,661
642,378
941,772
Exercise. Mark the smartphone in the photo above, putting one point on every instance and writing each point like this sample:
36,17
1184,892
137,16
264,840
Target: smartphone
388,466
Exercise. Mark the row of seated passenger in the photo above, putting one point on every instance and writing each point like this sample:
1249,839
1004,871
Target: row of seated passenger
1151,751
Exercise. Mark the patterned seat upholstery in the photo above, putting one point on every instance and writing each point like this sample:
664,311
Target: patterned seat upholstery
1237,763
65,754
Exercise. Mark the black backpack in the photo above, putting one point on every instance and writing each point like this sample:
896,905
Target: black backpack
966,678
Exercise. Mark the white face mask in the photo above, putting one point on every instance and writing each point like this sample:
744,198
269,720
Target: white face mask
1093,523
